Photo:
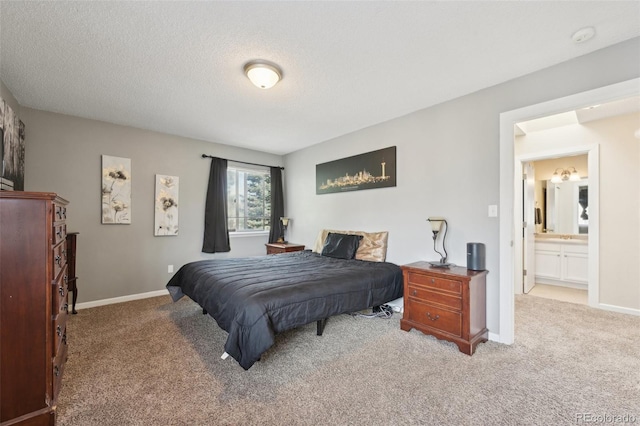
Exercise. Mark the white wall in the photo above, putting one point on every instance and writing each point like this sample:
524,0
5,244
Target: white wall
448,165
619,201
63,155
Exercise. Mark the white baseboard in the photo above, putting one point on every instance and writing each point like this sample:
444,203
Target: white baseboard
557,283
620,309
121,299
494,337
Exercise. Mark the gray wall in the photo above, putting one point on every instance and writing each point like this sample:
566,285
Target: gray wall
63,155
448,165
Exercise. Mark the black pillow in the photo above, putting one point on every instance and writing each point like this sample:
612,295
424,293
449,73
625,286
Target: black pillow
341,246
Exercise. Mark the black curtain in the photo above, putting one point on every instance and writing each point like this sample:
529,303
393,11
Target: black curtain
216,228
277,204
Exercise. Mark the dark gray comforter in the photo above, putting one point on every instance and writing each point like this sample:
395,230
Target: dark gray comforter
255,298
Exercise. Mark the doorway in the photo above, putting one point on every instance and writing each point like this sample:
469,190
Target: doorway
555,225
511,199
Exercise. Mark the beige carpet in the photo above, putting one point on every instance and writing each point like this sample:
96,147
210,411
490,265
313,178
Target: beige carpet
153,362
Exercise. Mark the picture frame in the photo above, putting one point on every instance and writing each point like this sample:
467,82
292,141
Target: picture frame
371,170
166,205
116,190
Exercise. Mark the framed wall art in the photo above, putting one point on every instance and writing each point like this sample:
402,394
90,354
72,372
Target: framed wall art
166,205
116,190
375,169
12,149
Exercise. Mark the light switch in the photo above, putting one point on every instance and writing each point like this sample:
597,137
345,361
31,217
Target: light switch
493,210
170,269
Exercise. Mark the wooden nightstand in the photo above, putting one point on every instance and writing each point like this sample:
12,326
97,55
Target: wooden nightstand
276,248
449,304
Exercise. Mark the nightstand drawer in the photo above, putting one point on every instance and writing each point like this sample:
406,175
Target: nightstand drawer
436,282
426,295
441,319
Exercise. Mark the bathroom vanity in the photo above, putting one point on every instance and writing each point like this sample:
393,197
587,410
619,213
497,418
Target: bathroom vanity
562,260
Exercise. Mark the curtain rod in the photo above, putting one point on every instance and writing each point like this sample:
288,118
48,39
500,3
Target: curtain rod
243,162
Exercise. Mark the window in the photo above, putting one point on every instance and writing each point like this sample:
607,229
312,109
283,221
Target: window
248,199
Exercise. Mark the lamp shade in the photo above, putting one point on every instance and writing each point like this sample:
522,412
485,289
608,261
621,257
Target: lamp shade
436,223
262,74
285,220
574,175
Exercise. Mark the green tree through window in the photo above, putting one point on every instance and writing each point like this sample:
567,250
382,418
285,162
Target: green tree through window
249,199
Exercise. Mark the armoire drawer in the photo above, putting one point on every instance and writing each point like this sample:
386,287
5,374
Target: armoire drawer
59,293
59,259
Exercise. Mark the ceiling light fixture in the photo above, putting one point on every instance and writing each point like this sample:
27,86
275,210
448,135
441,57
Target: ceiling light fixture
583,34
263,74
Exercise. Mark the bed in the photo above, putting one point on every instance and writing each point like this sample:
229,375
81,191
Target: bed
255,298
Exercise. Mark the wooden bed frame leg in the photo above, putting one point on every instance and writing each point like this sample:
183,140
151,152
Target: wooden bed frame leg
321,323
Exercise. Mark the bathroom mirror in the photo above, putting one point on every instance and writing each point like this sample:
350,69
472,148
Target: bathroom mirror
567,207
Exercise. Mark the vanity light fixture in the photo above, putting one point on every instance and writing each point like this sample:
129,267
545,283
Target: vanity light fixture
263,74
436,227
565,174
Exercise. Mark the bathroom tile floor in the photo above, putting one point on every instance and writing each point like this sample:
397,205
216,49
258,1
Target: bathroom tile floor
565,294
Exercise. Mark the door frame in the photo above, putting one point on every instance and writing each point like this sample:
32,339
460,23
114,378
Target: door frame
593,171
507,186
527,259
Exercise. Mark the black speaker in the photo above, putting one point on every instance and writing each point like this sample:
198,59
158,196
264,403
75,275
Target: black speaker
475,256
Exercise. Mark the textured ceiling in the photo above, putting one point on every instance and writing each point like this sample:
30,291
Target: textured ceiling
176,67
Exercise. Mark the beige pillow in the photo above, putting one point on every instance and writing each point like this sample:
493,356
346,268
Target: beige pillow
373,246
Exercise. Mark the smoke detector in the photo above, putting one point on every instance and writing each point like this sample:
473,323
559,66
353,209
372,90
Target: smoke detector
583,34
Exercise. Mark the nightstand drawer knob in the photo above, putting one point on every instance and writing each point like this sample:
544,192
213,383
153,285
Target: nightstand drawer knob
433,280
415,293
433,318
56,371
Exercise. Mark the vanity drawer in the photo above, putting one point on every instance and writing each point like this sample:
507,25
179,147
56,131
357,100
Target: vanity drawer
435,282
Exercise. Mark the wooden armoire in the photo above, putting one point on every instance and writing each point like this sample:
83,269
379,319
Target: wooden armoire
33,306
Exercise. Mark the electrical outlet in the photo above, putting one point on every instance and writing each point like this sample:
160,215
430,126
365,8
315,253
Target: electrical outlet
170,269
